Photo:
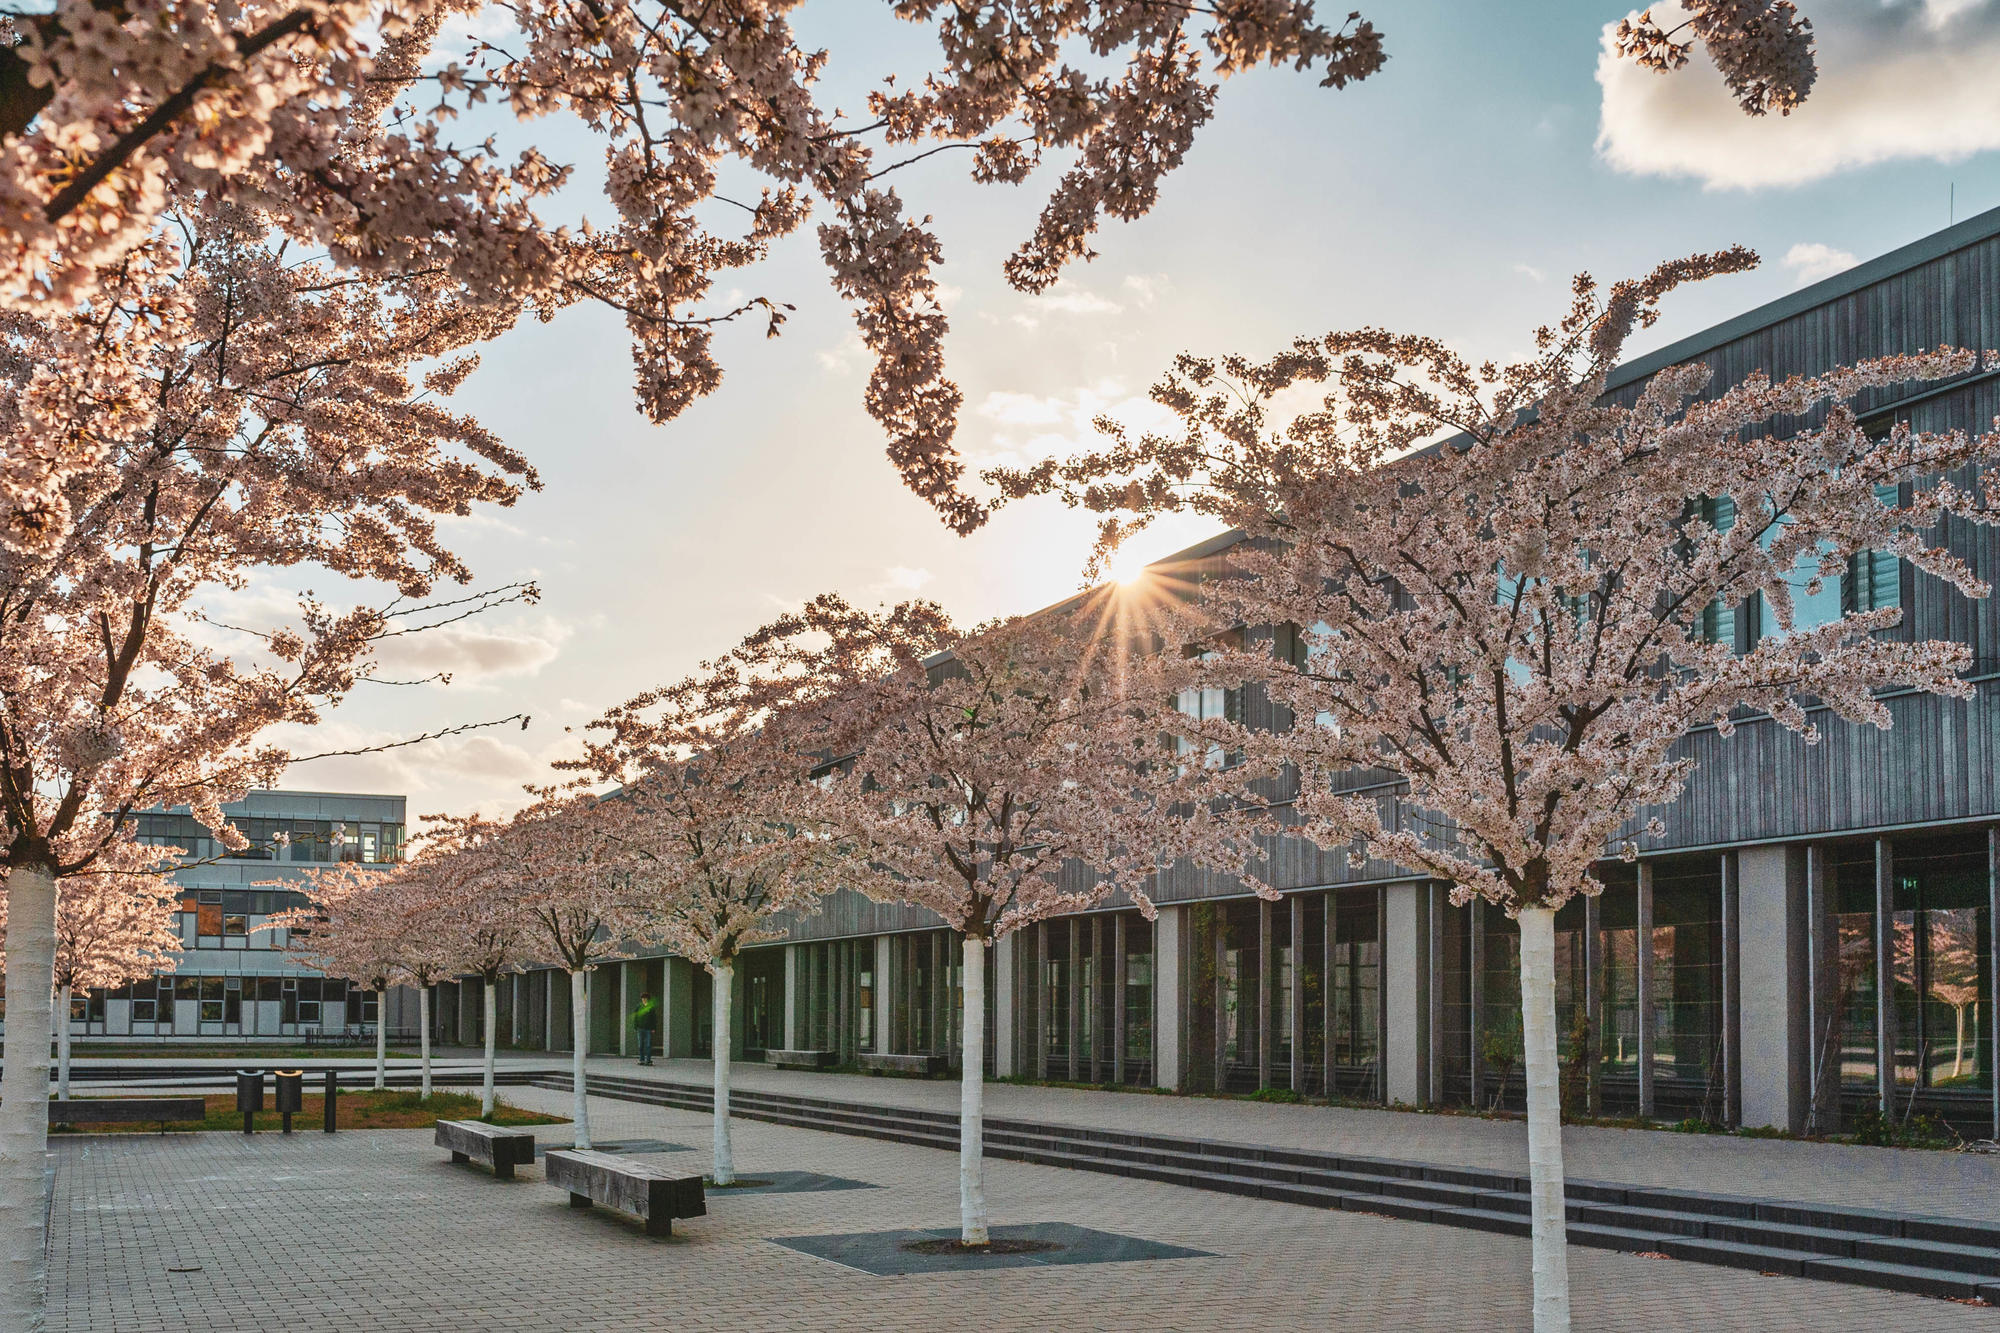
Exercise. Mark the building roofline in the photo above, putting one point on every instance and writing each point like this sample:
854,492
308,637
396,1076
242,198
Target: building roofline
1923,250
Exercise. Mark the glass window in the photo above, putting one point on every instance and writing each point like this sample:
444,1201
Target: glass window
1941,964
1718,622
1353,991
1851,890
1874,578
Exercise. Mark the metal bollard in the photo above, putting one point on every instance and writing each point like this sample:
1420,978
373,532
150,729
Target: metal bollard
331,1089
249,1096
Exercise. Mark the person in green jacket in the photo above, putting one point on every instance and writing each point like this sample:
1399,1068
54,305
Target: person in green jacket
646,1021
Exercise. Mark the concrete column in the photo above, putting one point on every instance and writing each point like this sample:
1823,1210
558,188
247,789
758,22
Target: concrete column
794,1001
1001,961
678,978
1885,977
1406,986
1438,902
1119,979
1265,935
550,1032
624,1007
1040,987
883,1001
1169,936
1329,910
1476,995
1644,951
1296,1018
1593,1002
1073,986
1775,1031
1097,997
1732,1001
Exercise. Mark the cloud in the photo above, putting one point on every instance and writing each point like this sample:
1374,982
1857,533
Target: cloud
1811,261
1031,427
1147,288
472,652
847,357
1021,409
902,578
1530,271
1896,81
1073,301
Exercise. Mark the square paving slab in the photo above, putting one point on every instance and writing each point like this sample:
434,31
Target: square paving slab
888,1253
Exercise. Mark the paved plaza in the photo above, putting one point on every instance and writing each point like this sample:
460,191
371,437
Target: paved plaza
375,1231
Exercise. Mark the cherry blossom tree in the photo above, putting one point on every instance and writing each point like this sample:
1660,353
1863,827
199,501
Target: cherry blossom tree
1012,779
1516,624
1763,48
429,949
578,900
272,418
338,117
476,899
351,926
117,923
712,815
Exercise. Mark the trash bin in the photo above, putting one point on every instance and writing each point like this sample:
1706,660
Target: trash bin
291,1093
249,1095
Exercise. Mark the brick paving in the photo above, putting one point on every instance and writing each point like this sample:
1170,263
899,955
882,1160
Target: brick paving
375,1231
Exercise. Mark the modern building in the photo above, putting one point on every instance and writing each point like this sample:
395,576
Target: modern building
234,978
1812,939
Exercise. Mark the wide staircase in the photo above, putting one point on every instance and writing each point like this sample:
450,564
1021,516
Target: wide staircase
1945,1257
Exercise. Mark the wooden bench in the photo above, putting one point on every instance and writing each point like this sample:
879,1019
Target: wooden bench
123,1110
654,1194
802,1059
500,1148
928,1065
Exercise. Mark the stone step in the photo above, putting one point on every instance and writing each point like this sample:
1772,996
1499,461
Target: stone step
1928,1256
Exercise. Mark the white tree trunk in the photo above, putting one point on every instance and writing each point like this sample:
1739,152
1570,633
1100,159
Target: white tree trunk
63,1041
486,1081
725,1159
424,1036
1545,1159
972,1100
24,1094
579,1011
381,1038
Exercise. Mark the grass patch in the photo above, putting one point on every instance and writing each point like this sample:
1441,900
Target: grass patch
390,1108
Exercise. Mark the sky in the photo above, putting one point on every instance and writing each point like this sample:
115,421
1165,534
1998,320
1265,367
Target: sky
1454,193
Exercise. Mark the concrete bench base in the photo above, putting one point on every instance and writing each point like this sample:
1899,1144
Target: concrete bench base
651,1193
802,1059
125,1110
498,1147
921,1066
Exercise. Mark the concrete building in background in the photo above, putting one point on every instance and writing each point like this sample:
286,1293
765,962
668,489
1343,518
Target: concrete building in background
1811,941
234,979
